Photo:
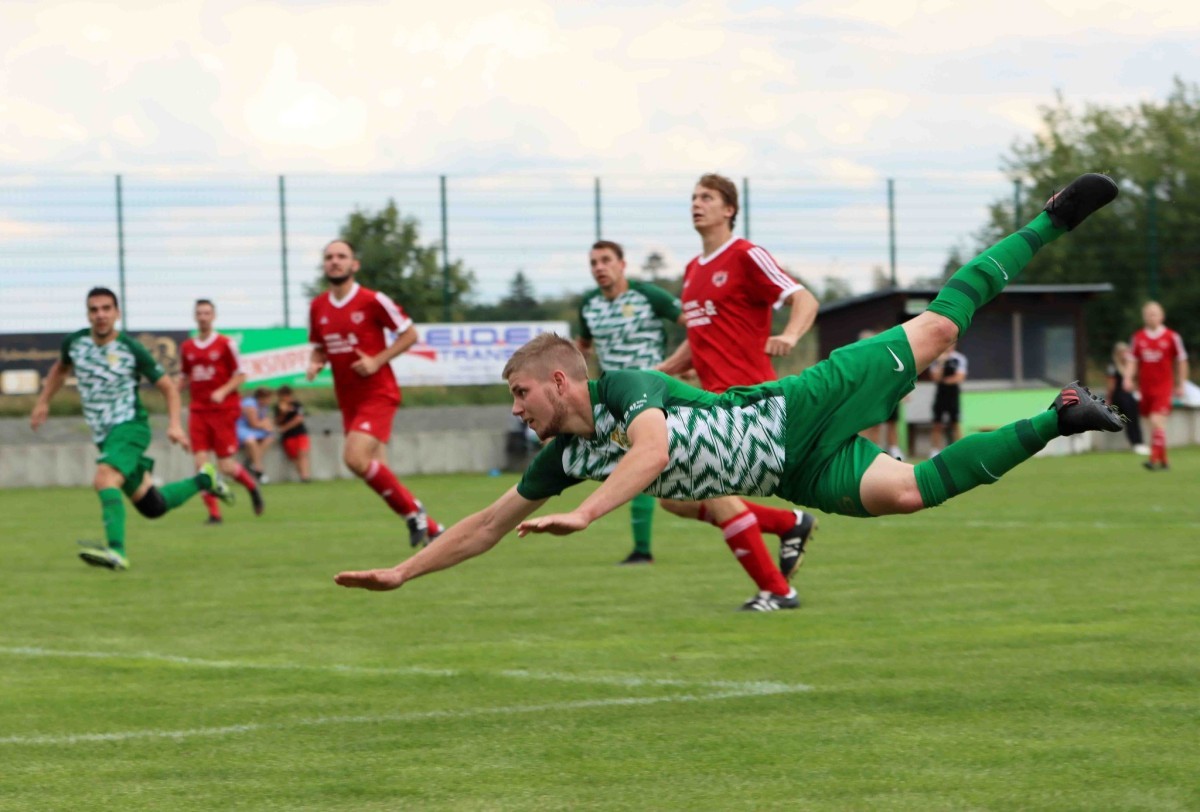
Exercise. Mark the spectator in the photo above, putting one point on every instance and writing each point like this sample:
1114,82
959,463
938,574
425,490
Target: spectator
948,372
255,430
293,434
1120,368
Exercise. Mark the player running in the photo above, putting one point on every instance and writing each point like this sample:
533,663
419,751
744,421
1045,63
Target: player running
1160,366
642,431
348,327
622,320
211,369
730,292
107,365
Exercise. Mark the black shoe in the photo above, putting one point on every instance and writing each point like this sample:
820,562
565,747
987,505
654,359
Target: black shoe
418,528
1155,466
770,602
213,520
1071,206
256,501
793,542
1079,411
636,558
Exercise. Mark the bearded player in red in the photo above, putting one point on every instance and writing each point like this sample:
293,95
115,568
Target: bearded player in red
211,370
346,326
1161,367
729,295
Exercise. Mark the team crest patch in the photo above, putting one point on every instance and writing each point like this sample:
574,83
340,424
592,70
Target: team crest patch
627,311
357,317
214,355
620,438
720,278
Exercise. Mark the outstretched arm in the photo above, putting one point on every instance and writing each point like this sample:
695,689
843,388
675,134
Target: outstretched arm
470,537
648,455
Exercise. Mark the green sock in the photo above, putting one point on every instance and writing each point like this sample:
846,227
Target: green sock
642,519
982,459
112,510
980,280
176,493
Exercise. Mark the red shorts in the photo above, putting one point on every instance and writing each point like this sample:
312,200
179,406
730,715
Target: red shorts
373,417
292,446
1157,401
214,431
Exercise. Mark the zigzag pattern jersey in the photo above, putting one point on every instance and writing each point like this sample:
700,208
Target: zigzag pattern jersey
627,332
108,375
732,443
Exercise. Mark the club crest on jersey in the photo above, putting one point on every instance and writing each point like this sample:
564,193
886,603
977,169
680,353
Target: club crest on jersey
357,317
620,438
627,311
214,355
720,278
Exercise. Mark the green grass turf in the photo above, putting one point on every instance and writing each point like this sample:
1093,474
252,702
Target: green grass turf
1032,645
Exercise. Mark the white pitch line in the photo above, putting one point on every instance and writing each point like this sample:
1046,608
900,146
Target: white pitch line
419,716
518,674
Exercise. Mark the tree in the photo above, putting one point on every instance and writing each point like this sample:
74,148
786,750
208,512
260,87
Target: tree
1146,243
395,262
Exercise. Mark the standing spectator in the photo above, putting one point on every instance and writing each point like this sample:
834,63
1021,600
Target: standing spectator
348,328
948,372
293,434
255,431
730,293
622,320
212,371
1160,366
1120,368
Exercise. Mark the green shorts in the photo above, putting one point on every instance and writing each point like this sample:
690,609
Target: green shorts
125,449
828,404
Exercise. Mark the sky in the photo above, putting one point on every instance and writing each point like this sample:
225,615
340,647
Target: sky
201,105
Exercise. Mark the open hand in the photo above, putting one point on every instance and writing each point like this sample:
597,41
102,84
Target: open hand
556,524
780,345
178,436
366,365
38,416
374,580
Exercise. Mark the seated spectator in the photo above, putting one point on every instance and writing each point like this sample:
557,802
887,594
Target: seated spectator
293,434
255,430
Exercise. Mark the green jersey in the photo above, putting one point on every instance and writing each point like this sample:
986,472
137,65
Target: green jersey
108,379
628,331
731,443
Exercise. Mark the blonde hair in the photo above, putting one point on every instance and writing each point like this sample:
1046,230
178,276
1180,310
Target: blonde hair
548,352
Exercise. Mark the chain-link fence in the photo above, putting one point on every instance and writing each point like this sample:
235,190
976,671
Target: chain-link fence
253,243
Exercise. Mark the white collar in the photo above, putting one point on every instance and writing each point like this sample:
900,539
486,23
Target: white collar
204,345
342,303
717,253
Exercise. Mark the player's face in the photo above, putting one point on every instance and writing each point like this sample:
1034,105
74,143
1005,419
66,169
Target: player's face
709,209
102,315
339,263
537,403
205,315
607,270
1152,316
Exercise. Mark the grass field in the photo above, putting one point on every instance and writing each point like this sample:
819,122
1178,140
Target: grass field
1033,645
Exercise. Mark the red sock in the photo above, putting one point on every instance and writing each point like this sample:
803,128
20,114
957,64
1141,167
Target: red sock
243,477
381,480
210,502
434,528
770,519
1158,446
745,541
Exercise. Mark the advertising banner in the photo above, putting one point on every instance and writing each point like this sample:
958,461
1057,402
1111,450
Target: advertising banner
25,358
446,354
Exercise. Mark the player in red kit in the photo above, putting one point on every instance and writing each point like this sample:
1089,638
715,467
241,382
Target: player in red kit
212,371
347,327
1160,366
729,295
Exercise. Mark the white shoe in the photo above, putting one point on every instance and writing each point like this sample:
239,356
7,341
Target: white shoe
1142,450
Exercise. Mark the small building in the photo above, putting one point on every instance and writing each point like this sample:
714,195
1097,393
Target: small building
1029,335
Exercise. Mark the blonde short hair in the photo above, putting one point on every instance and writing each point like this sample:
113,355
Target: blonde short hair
547,353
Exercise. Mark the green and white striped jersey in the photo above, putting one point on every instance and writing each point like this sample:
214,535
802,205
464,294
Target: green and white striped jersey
732,443
627,332
108,379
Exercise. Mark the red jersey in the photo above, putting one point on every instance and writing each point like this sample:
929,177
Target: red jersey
1157,354
728,298
209,365
357,322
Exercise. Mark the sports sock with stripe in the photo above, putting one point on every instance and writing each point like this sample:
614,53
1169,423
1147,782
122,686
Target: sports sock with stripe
112,511
641,519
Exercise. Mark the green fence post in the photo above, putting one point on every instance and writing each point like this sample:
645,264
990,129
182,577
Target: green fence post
745,212
121,255
283,259
1017,206
596,197
891,203
1152,239
445,252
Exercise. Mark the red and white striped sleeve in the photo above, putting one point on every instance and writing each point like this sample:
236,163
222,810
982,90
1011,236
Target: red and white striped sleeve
1180,352
235,356
394,315
774,282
